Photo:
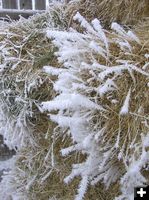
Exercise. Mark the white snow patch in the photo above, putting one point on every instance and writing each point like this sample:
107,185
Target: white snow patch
125,107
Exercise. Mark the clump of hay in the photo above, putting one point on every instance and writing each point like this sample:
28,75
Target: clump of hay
104,104
25,49
39,169
122,11
22,124
24,85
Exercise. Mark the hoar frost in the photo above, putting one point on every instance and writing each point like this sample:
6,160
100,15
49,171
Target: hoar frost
89,97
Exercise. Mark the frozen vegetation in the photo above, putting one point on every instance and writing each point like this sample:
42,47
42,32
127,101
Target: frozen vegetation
74,106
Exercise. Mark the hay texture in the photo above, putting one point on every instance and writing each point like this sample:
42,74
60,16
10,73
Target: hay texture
103,104
24,50
107,11
74,102
39,168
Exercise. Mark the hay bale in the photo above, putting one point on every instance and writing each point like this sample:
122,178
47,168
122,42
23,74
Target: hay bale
121,11
40,168
106,90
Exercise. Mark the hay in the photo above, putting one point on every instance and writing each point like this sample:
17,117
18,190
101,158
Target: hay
24,85
53,185
121,68
122,11
40,168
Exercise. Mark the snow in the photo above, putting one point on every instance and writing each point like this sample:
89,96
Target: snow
106,87
97,26
117,28
129,35
82,188
146,55
125,108
52,71
115,69
70,101
84,23
97,49
84,78
133,37
80,55
7,164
